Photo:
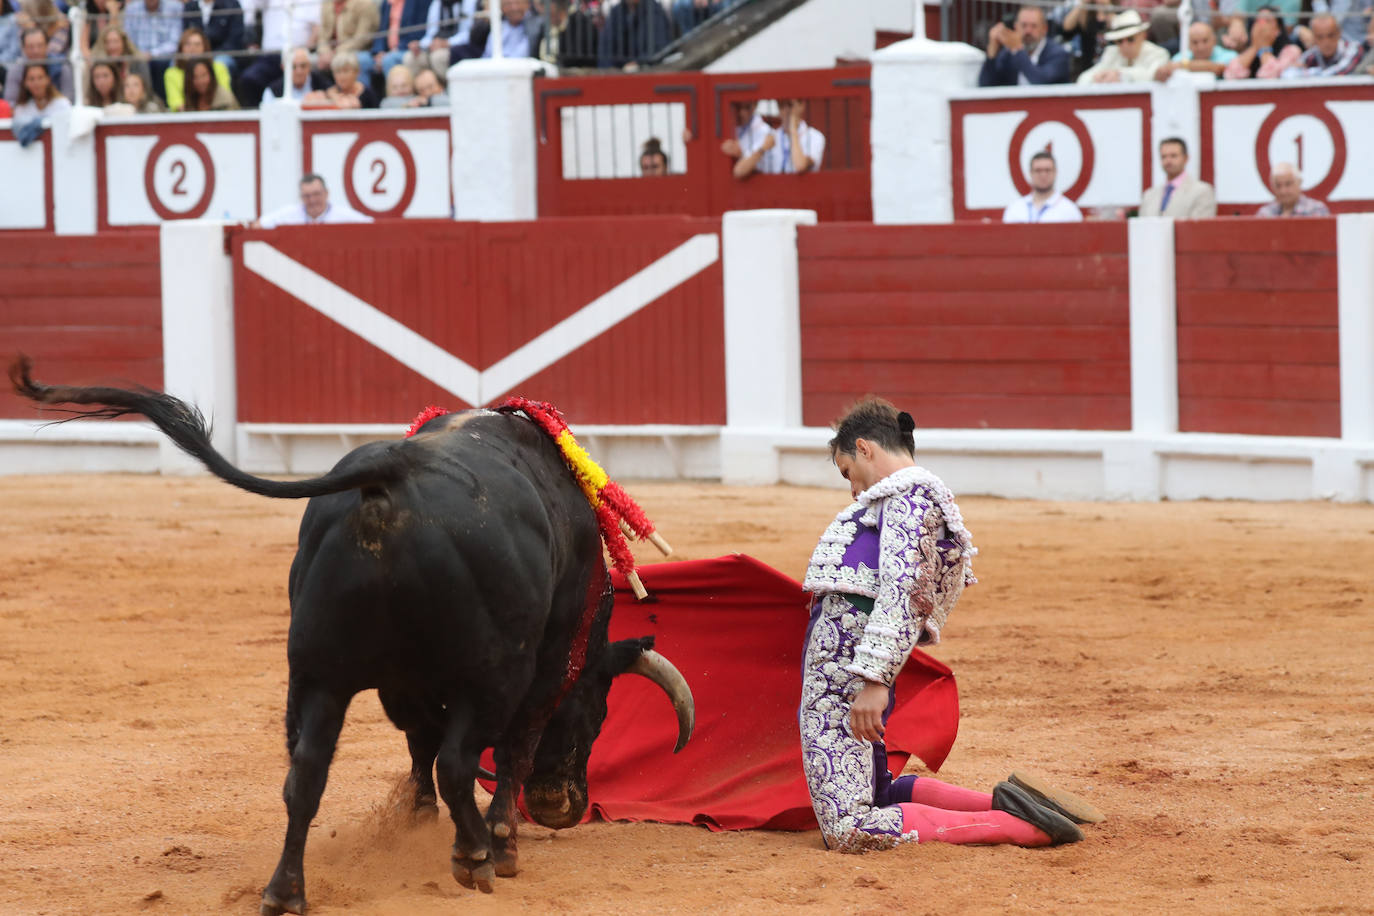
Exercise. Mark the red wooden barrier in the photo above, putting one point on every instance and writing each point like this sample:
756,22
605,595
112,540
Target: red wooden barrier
479,291
605,165
1258,347
968,325
87,310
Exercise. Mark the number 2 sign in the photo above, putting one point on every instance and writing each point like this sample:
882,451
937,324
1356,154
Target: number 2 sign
379,177
179,178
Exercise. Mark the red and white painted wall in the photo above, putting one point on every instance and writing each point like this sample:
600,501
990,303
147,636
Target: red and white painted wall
944,150
1136,360
908,141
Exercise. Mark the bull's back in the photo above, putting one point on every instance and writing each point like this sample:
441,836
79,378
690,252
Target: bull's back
458,560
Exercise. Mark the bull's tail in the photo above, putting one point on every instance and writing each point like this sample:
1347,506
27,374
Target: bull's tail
186,426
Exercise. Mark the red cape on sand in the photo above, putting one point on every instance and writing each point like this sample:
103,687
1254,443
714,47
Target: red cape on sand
734,627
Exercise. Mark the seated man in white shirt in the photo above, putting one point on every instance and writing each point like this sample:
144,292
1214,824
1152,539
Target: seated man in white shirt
798,147
1043,204
313,210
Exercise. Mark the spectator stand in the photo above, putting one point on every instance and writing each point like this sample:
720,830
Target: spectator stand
151,168
590,132
26,191
1101,140
1105,141
385,164
1325,127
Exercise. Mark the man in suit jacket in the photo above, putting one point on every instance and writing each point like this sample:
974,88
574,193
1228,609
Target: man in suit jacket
1180,196
1024,56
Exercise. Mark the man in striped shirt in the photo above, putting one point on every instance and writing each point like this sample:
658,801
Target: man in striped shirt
1331,54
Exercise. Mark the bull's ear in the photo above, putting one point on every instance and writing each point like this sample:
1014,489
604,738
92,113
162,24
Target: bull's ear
621,655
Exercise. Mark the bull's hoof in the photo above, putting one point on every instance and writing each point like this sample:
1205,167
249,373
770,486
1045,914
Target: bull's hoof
425,814
272,905
507,863
474,875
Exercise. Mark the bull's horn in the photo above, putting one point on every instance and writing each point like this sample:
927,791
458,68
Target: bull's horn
663,673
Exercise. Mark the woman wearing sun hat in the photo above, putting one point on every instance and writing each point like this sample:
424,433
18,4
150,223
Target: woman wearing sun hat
1130,57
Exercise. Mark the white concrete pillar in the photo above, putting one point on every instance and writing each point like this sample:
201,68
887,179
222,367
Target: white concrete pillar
494,138
198,332
762,339
910,127
280,154
1154,327
73,168
1355,286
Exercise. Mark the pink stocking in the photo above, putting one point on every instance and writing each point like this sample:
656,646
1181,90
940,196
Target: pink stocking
938,825
937,794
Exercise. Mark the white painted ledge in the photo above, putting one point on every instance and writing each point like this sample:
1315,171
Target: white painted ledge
82,446
1074,465
651,451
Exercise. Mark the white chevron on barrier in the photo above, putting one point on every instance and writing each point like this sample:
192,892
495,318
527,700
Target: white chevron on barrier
454,375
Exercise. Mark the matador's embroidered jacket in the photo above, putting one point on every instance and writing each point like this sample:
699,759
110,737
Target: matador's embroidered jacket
903,543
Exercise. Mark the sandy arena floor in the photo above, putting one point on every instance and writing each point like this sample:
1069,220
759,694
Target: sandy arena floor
1204,672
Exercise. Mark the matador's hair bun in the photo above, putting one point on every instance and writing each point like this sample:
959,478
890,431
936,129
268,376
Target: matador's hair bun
878,421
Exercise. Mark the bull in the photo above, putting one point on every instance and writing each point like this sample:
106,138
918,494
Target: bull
458,572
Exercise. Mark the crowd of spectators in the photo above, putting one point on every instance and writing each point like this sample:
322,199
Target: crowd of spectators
1088,42
214,55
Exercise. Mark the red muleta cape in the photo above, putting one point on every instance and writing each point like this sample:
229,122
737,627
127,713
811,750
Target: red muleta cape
734,627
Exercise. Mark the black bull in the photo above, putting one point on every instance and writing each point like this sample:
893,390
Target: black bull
459,572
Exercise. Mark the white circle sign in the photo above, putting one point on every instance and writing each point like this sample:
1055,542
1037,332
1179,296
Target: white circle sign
1303,141
379,176
1059,140
179,178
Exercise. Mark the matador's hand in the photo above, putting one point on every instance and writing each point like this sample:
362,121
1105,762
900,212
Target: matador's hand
866,712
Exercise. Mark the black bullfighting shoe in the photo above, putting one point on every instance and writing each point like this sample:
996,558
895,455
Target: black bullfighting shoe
1007,797
1058,800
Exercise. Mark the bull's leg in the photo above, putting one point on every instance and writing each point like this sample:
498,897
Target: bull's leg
457,769
424,748
423,736
314,719
514,760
